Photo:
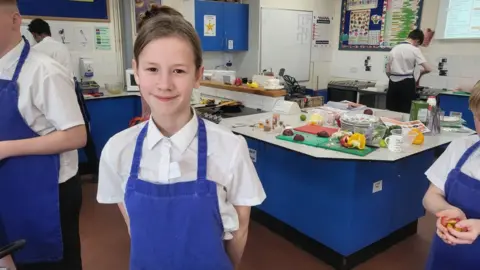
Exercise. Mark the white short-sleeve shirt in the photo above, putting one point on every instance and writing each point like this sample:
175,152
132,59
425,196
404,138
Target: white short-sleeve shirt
403,59
47,99
56,50
170,160
438,172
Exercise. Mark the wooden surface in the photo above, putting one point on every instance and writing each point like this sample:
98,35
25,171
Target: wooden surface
245,89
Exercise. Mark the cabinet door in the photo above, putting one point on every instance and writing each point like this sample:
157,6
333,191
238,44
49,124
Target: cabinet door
209,23
236,26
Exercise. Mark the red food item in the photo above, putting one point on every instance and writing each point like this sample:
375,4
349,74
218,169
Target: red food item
299,138
288,132
368,111
344,141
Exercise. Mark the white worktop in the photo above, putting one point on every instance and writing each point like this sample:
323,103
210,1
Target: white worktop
381,154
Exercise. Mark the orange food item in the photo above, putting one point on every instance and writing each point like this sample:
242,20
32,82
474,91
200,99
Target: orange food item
419,139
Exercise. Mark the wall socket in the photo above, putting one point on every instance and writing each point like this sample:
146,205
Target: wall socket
377,186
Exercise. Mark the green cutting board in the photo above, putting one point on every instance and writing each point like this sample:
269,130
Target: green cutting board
353,151
310,139
313,140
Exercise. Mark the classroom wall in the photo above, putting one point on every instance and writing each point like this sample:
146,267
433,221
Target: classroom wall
103,60
463,56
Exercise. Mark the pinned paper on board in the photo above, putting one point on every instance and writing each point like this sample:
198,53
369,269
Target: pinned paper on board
102,38
210,25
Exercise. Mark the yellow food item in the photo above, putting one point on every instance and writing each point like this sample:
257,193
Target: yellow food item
357,140
419,139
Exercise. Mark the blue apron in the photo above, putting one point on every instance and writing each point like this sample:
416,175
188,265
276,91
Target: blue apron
404,75
175,226
29,199
461,191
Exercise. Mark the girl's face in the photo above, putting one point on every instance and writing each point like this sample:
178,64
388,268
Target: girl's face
166,75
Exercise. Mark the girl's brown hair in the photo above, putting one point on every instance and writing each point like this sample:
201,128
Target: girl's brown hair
157,27
474,100
157,10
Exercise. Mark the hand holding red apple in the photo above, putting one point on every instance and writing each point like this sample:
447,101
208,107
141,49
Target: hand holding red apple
468,233
444,216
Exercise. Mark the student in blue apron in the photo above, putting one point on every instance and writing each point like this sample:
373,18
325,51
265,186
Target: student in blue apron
184,185
454,193
402,60
40,130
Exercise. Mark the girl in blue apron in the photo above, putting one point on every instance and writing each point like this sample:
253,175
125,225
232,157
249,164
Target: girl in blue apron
455,194
185,186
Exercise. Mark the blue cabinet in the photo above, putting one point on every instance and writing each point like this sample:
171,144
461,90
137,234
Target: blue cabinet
222,26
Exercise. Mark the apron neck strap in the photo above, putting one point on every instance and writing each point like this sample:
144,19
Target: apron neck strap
21,61
202,150
467,154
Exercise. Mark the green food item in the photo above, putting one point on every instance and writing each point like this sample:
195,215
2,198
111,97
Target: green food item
303,117
383,144
389,130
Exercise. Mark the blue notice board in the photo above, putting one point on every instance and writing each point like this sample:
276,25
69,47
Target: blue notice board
67,10
377,25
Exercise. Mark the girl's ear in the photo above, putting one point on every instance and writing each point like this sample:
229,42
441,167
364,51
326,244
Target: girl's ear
135,70
198,76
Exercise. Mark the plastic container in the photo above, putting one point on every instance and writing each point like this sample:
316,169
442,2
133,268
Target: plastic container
114,88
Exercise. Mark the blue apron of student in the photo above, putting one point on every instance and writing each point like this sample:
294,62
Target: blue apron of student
463,192
175,226
400,94
29,199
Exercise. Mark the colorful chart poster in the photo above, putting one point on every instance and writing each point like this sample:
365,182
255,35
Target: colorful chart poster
377,25
102,38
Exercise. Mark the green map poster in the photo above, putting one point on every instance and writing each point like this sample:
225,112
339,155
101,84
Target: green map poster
377,25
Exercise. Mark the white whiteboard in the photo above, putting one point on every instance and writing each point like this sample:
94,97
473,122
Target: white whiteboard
286,42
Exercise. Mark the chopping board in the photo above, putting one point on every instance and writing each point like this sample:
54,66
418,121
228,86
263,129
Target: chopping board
310,140
314,129
320,142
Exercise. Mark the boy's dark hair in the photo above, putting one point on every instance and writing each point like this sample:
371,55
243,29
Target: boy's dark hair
39,27
417,35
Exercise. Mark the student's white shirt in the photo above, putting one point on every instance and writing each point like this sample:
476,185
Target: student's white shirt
438,172
56,50
170,160
404,58
47,100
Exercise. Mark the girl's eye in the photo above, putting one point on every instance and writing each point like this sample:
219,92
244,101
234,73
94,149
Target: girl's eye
152,69
179,71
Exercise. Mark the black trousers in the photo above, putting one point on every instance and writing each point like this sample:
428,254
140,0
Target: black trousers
401,94
70,205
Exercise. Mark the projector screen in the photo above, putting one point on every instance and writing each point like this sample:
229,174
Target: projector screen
458,19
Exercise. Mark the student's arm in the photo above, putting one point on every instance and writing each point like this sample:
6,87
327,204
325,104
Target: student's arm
7,263
236,245
421,61
55,97
388,68
437,174
110,181
245,190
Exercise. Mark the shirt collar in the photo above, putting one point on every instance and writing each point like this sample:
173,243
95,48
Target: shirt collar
11,58
181,140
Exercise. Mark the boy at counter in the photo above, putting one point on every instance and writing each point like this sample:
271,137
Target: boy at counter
184,186
454,193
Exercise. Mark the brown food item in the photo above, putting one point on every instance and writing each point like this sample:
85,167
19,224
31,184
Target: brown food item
323,134
299,138
288,132
267,128
368,111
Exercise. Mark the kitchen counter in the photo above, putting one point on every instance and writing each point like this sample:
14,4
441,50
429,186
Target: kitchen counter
245,89
457,102
341,208
108,95
294,121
